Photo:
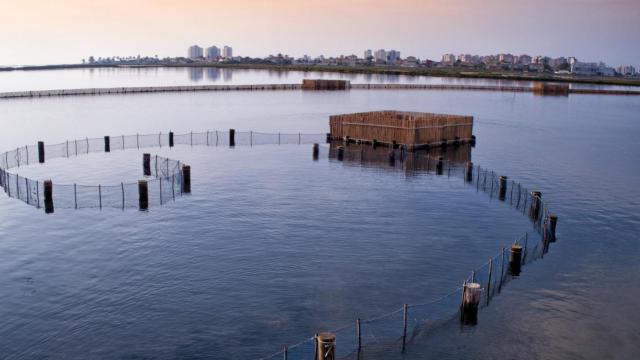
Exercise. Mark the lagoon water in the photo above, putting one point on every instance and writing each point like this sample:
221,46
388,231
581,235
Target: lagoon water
272,246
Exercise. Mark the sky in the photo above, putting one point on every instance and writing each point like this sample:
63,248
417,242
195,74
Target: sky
66,31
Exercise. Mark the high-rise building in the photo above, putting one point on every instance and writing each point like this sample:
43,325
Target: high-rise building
368,54
227,52
448,59
213,52
393,56
380,55
195,52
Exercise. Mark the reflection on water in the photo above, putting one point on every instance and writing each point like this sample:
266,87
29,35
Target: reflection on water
196,74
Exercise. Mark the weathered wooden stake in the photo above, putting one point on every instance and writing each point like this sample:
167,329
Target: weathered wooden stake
489,280
143,195
286,353
468,172
326,346
48,196
392,157
374,143
186,179
316,151
171,139
405,318
328,137
107,144
232,137
553,221
340,153
359,334
502,190
515,260
146,164
41,152
472,293
534,209
439,165
473,141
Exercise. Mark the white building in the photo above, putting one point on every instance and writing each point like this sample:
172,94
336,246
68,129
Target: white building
194,52
448,59
227,52
584,68
380,55
627,70
213,52
368,54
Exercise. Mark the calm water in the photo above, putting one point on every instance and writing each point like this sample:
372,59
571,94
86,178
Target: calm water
118,77
272,246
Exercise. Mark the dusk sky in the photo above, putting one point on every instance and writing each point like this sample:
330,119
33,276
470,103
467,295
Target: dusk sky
65,31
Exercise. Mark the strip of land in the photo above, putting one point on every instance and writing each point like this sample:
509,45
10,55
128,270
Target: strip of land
383,70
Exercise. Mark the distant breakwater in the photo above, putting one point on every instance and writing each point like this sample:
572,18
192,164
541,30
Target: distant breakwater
273,87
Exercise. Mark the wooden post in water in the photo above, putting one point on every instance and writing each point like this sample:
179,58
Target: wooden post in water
515,260
170,138
534,209
326,346
107,144
143,195
328,137
48,196
470,300
553,221
502,190
392,157
340,153
439,165
489,280
186,179
146,164
405,318
468,172
316,151
41,152
359,334
374,143
232,137
473,141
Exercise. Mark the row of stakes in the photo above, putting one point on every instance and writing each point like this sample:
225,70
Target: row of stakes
325,348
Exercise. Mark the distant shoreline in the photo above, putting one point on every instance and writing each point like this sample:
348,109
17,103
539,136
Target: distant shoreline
386,70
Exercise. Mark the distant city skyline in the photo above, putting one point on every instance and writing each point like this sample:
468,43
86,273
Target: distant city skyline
44,32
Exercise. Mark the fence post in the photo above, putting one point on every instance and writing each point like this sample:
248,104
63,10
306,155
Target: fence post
316,151
326,346
107,144
146,164
515,260
170,138
186,179
468,172
553,221
502,192
359,334
48,196
489,280
470,302
143,195
41,152
405,318
232,137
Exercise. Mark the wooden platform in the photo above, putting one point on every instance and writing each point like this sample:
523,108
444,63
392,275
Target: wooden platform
415,130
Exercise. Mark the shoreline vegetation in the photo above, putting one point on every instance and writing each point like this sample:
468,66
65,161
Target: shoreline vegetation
378,70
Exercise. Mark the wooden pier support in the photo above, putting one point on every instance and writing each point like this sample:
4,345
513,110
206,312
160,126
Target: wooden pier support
186,179
473,141
440,165
41,152
143,195
107,144
502,189
471,295
553,221
392,157
325,346
340,153
374,143
328,138
48,196
146,164
468,172
170,138
232,137
515,260
534,209
316,151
